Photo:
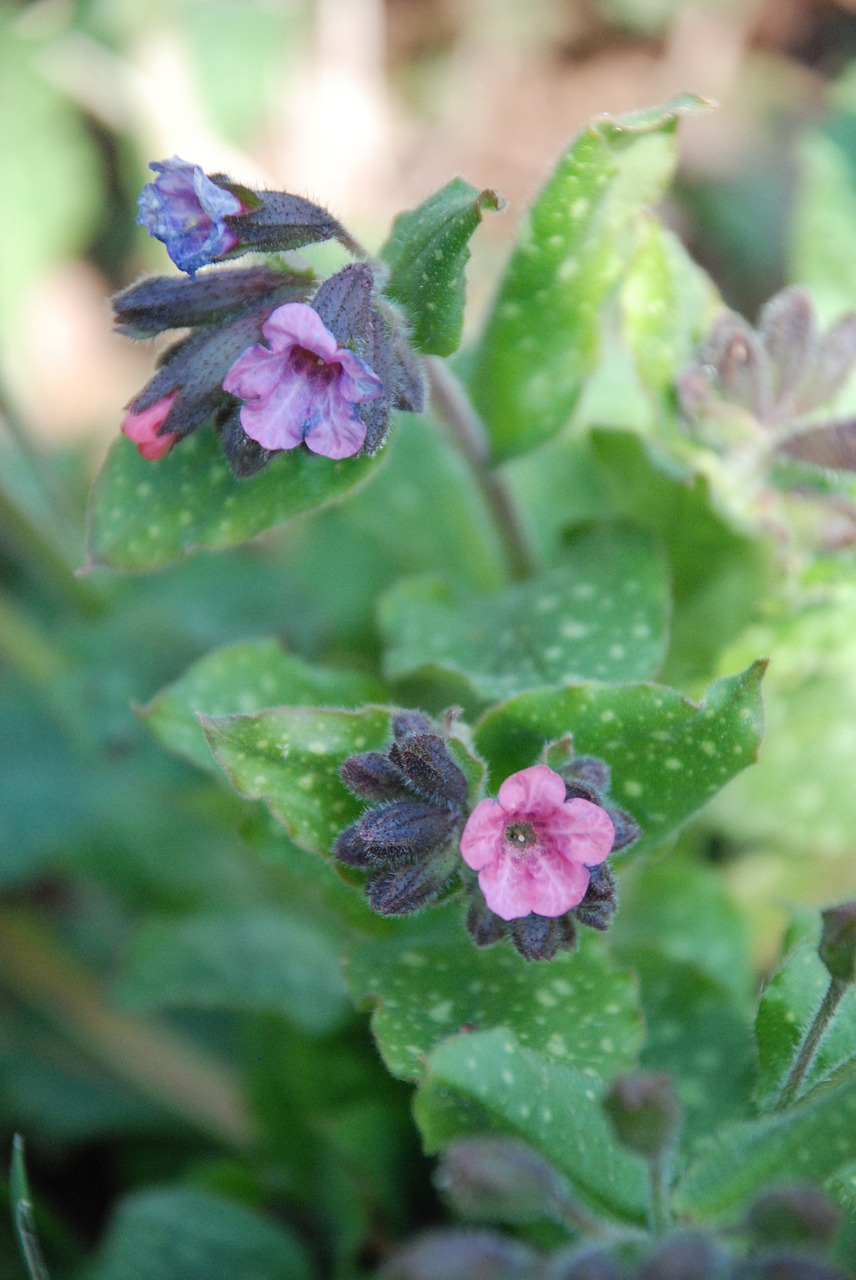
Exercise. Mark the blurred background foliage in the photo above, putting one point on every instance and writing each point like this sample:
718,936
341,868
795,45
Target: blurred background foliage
125,1087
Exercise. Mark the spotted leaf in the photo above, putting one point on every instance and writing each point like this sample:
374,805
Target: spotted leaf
668,755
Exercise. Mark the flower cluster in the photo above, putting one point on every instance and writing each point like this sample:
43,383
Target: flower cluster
538,850
273,359
407,841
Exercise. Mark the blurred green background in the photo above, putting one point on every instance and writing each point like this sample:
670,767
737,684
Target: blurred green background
367,107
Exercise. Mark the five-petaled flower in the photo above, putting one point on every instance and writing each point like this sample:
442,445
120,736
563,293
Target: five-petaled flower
144,428
303,388
532,847
187,211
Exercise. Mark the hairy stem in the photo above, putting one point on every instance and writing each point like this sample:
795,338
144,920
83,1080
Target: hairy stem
660,1214
811,1043
453,405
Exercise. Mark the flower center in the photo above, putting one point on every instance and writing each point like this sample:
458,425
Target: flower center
521,835
309,365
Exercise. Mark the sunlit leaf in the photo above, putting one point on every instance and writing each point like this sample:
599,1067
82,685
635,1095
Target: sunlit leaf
426,254
543,334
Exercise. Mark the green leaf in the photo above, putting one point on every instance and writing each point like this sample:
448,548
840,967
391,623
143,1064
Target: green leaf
811,1142
426,253
601,614
542,337
244,678
667,302
261,959
171,1232
718,572
668,755
427,983
290,757
787,1007
22,1213
485,1082
145,514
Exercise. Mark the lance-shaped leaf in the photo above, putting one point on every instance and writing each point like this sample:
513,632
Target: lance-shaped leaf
811,1142
832,445
427,983
485,1082
542,336
787,1007
243,678
668,755
426,253
290,757
145,514
600,615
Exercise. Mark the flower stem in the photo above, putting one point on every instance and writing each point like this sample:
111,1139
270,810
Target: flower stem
453,405
660,1213
811,1043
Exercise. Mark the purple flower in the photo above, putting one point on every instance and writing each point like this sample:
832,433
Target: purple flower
303,388
187,211
532,847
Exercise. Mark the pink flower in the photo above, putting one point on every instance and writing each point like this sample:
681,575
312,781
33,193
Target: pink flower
532,848
304,387
143,428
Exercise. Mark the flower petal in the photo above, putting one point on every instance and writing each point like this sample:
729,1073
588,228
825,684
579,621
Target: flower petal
279,420
582,832
516,885
357,381
255,373
483,837
534,790
295,323
337,430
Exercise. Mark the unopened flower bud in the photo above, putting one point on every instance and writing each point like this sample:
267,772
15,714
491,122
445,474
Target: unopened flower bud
456,1254
539,937
644,1111
584,1263
498,1180
837,947
687,1257
796,1214
372,775
484,927
401,891
428,769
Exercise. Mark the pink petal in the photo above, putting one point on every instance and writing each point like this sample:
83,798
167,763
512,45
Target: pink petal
358,382
254,374
338,432
532,790
557,885
581,831
295,323
279,420
506,888
483,837
143,427
153,449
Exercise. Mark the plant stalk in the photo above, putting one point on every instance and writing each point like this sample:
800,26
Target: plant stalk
453,405
811,1043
